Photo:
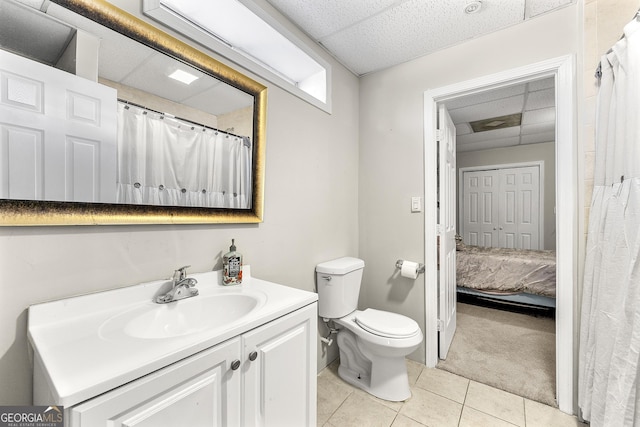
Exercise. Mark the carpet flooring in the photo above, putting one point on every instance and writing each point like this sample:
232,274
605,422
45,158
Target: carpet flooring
511,351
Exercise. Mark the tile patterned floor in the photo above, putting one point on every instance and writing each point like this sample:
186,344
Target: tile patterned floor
440,399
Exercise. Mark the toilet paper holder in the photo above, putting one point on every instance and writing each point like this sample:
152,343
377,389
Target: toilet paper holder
420,266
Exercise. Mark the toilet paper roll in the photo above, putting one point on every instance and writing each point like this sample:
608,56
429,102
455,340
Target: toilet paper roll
409,270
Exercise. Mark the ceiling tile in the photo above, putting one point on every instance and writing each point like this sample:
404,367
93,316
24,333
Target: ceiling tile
499,107
414,28
547,83
538,138
156,70
485,96
540,99
538,128
322,18
539,116
538,7
219,99
463,129
485,145
489,135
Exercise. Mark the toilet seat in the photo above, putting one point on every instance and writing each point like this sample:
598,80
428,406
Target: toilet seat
386,324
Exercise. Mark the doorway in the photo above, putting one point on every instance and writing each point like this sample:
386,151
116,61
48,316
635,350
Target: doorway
561,69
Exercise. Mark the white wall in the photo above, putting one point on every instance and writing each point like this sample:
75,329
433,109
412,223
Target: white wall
521,154
391,148
310,216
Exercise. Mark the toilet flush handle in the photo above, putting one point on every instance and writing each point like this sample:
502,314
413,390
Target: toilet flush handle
327,278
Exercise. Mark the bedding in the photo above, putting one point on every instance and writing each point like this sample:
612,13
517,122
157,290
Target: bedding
501,270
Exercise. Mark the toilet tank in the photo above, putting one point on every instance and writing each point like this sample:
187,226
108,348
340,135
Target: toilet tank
338,283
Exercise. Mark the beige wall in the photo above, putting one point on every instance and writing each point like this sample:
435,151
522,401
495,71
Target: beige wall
391,148
524,153
310,216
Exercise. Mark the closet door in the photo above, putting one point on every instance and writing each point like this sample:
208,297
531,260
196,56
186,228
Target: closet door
501,208
519,208
480,208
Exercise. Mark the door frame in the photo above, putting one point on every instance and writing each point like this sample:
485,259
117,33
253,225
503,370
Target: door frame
539,164
567,220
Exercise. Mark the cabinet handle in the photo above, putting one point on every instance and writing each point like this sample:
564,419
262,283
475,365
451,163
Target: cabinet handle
235,364
253,355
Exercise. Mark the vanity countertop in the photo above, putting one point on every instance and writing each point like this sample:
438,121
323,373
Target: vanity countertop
81,358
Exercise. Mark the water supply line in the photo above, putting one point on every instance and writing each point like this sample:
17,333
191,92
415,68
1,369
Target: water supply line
328,340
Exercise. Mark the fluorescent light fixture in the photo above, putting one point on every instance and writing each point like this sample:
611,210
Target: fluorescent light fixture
246,33
183,76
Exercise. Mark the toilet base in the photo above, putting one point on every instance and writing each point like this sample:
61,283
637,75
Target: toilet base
383,377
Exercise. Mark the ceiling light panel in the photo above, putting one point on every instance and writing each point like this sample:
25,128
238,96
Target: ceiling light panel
253,37
156,70
495,123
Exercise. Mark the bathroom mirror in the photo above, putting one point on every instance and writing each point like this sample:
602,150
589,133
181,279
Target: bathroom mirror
222,104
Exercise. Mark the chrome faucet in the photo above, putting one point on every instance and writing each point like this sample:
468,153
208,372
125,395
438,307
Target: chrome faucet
182,287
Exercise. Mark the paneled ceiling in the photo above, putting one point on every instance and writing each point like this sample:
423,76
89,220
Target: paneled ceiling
371,35
535,100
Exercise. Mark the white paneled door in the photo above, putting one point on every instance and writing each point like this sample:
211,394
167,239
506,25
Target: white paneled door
447,231
501,207
57,134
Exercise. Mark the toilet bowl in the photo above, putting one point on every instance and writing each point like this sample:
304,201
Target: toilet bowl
373,343
374,360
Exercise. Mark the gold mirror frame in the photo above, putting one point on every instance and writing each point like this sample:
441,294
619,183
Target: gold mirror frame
26,212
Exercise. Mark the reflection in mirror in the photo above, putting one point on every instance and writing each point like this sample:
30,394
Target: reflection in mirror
138,128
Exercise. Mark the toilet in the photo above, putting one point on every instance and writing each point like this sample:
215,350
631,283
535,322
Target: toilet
373,344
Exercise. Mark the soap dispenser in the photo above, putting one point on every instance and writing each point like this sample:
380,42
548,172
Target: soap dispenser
232,266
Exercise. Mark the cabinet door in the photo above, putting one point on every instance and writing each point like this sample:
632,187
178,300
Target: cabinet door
279,371
199,391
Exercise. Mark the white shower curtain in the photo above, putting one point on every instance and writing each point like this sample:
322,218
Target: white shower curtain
610,324
168,162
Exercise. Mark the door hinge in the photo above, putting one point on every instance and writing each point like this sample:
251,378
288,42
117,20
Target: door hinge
439,230
440,325
438,135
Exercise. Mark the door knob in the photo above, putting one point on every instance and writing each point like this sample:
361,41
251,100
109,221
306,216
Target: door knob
253,355
235,365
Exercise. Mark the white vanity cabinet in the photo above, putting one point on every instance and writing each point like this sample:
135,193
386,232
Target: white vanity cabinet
264,377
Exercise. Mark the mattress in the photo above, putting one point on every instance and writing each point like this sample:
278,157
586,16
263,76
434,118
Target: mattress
501,270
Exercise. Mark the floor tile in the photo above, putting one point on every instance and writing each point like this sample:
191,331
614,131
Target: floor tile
402,421
331,394
499,403
395,406
539,415
473,418
444,383
431,409
358,410
413,370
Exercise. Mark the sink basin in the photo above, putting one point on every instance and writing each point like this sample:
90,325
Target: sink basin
188,316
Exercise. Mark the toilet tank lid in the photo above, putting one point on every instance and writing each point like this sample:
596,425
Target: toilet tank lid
340,266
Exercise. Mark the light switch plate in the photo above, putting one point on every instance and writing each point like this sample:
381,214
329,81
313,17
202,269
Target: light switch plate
416,204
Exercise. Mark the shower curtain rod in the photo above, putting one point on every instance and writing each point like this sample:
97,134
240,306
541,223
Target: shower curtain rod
598,74
226,132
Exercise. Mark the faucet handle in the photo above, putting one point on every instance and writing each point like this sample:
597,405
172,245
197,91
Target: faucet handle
180,273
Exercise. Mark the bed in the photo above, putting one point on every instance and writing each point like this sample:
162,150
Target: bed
514,275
